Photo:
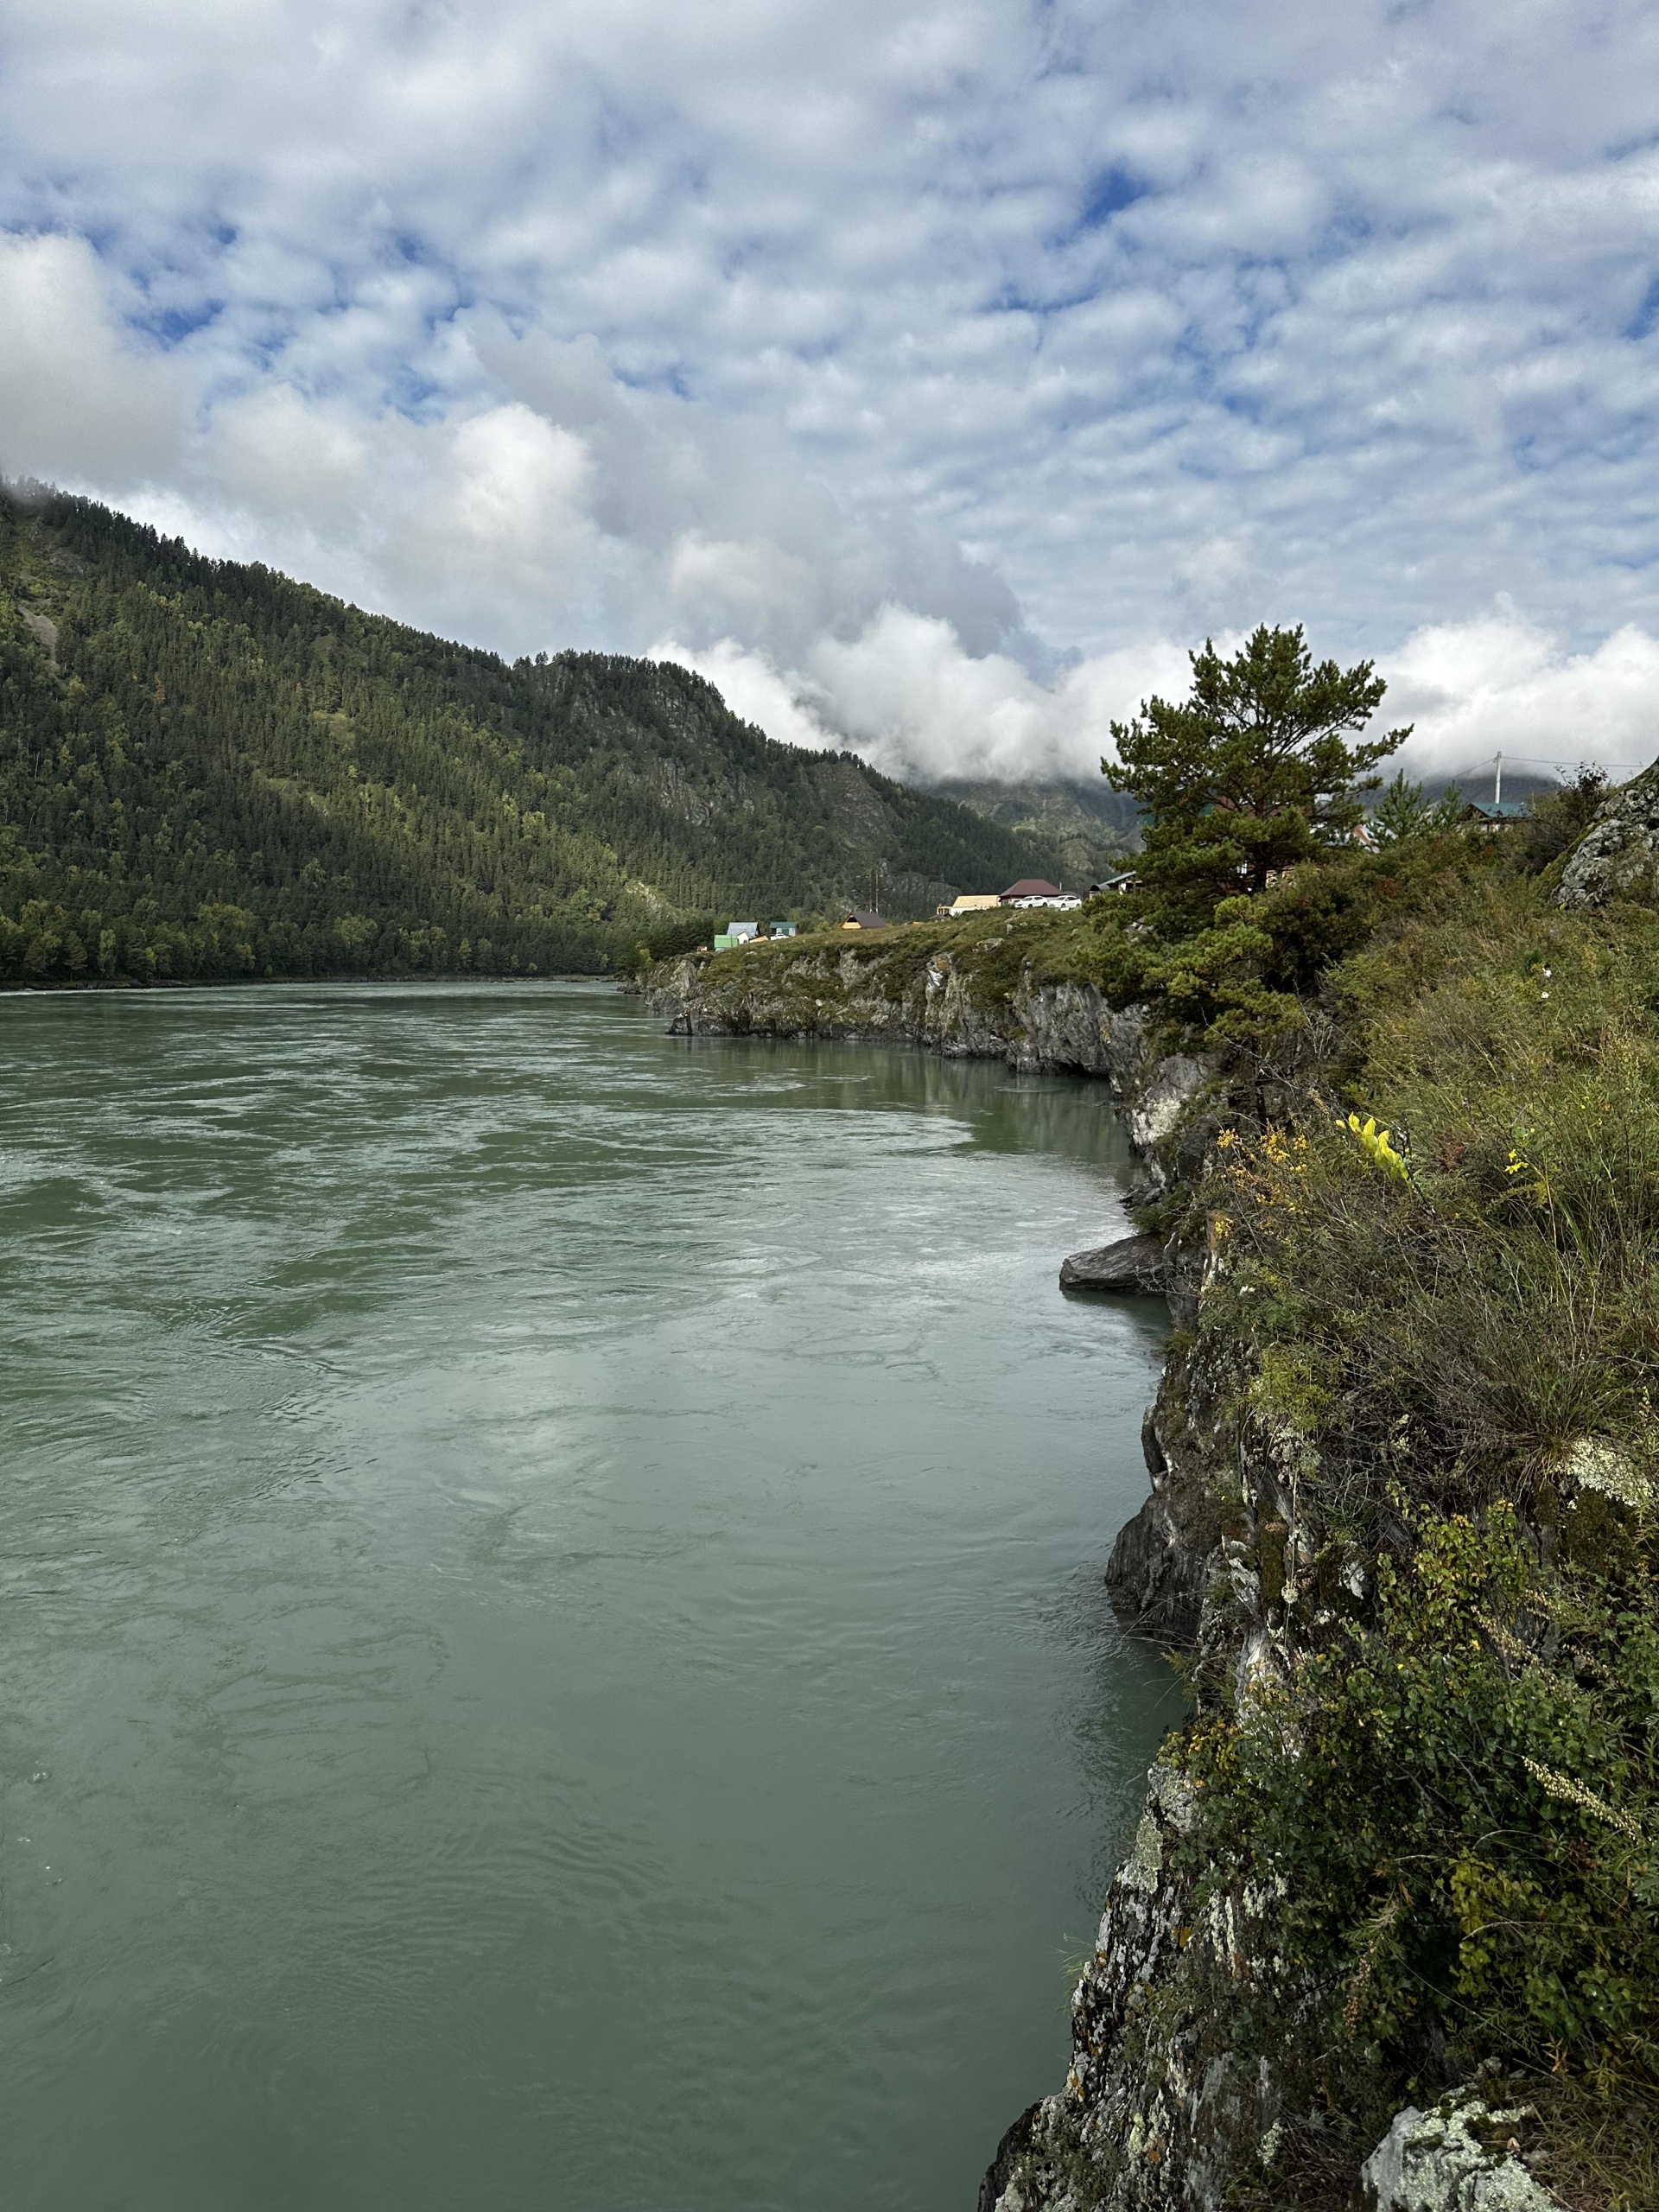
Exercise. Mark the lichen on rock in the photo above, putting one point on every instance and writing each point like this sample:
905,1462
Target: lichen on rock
1619,855
1462,2156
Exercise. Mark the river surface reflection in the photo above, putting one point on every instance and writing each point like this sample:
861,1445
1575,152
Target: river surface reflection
551,1643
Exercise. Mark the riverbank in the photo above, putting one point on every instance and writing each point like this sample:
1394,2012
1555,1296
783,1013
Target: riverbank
1365,1945
1015,988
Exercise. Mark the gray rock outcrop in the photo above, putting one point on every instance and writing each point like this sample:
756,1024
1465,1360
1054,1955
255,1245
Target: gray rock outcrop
1618,856
1132,1266
1160,2110
1462,2156
876,994
1154,1577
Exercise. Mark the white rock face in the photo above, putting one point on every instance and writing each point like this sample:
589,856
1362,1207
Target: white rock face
1439,2162
1154,1114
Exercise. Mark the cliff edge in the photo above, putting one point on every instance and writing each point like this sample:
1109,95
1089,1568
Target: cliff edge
1388,1938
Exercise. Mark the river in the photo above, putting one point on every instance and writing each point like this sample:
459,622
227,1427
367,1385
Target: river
552,1650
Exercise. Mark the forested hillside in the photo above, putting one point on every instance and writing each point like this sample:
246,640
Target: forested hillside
208,770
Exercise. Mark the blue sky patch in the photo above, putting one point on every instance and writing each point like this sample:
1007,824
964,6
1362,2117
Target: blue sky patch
1110,194
1642,322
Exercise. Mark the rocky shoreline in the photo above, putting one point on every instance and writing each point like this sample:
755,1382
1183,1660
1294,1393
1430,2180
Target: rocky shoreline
1195,2047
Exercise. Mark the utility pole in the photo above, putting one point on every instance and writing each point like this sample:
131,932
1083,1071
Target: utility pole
1498,780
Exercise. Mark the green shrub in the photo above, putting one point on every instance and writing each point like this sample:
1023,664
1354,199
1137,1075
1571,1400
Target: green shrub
1462,1794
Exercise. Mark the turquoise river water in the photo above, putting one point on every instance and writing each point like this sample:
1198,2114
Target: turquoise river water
552,1650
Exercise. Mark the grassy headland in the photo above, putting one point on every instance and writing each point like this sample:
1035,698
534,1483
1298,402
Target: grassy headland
1433,1206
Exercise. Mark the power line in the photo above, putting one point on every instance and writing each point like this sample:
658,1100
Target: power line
1483,767
1536,760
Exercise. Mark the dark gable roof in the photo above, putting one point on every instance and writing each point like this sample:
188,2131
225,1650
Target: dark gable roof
1031,887
865,917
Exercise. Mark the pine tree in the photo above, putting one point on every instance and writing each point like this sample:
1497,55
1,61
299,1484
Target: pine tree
1250,773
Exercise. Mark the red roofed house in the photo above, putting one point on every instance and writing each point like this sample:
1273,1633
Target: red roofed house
1031,891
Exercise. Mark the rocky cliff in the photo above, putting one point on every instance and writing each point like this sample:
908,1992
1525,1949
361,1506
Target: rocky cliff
1199,2075
905,989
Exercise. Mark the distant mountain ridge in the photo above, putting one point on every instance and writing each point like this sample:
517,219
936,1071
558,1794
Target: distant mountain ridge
1091,829
209,771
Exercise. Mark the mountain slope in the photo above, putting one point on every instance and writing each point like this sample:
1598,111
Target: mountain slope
206,770
1092,829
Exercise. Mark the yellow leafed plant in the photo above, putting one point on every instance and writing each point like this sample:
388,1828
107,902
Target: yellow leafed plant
1379,1148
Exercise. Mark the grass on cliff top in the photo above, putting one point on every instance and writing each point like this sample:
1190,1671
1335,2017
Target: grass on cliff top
992,950
1467,1309
1233,986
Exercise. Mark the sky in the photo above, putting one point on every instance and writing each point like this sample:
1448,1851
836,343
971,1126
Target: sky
932,378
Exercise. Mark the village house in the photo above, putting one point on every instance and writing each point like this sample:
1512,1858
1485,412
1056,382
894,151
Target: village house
970,902
1493,814
862,918
751,933
1032,890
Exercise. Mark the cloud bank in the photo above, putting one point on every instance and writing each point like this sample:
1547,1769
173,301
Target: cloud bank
906,697
930,377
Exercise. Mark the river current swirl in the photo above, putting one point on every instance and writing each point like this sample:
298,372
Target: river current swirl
551,1641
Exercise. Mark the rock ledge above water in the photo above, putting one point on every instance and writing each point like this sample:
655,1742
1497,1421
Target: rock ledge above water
1133,1265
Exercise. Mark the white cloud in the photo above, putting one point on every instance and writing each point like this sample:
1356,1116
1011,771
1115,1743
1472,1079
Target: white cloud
905,695
915,703
918,707
78,396
511,504
931,369
755,688
1474,690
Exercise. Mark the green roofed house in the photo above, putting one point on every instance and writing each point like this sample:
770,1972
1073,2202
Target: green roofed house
1490,814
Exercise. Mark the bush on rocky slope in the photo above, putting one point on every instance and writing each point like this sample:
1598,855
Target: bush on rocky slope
1431,1273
